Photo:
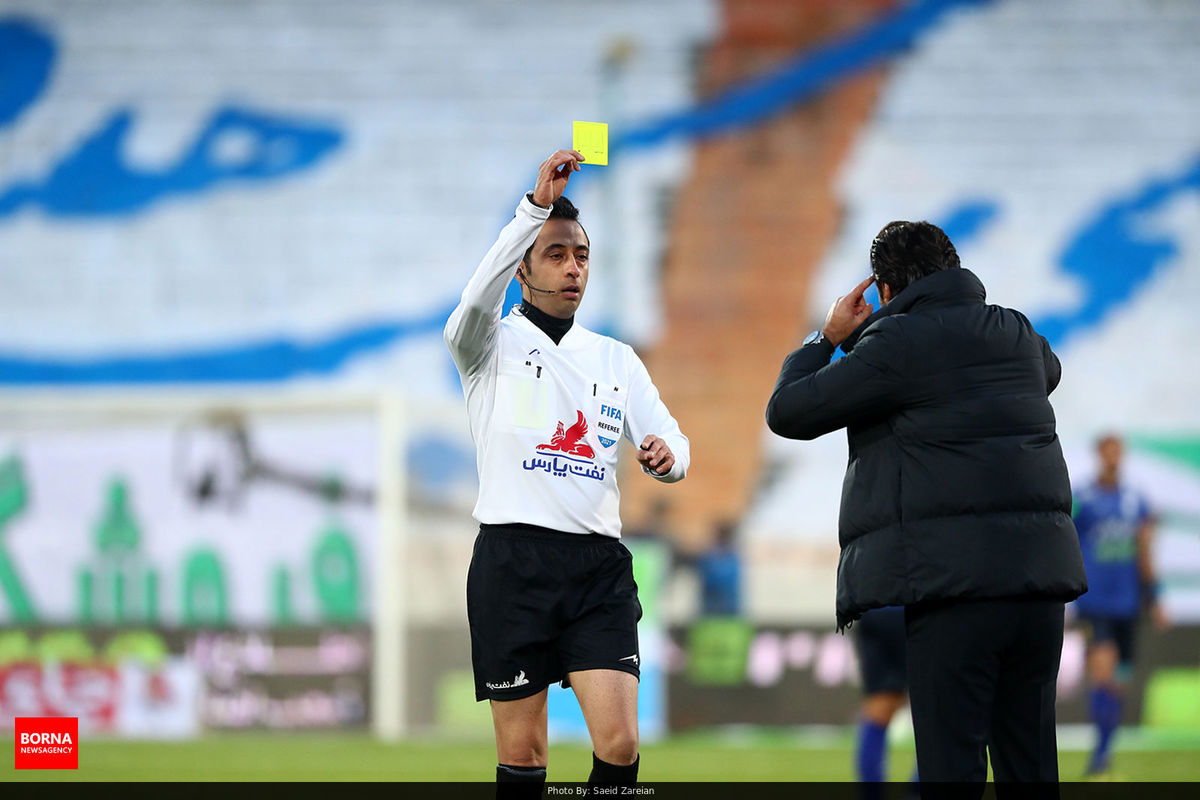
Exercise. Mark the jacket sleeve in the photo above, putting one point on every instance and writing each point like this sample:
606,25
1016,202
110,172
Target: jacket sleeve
813,397
1053,366
471,330
647,414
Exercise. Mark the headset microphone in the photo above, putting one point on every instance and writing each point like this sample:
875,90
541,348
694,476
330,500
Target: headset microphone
536,289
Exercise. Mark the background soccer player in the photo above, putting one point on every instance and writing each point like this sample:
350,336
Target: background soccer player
1115,531
550,591
879,642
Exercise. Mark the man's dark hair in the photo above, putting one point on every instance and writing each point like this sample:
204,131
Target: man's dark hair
904,252
562,208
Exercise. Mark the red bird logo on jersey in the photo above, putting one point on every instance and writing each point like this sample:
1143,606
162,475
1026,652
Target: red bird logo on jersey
570,441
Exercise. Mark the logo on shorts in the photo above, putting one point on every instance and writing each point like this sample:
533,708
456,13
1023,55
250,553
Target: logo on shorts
632,658
520,680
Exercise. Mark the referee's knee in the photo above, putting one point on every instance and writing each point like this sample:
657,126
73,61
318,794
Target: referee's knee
522,748
618,746
527,756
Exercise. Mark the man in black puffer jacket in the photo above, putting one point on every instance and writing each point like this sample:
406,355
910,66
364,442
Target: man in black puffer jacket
956,502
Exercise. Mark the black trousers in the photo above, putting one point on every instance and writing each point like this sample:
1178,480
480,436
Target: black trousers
982,680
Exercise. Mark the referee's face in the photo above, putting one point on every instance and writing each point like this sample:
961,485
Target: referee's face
558,267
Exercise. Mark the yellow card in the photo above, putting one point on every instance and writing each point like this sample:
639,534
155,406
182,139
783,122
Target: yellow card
591,139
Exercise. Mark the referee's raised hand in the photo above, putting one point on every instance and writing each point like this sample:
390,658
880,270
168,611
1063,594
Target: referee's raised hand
553,175
655,455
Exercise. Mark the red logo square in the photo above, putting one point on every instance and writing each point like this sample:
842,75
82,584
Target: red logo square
47,742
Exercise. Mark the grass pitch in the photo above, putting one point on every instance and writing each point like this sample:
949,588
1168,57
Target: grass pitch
356,757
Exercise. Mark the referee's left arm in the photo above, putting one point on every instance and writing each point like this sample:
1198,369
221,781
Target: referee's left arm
647,416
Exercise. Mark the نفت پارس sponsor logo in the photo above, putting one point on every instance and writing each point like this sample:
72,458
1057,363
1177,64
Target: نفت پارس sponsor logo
567,453
570,440
519,680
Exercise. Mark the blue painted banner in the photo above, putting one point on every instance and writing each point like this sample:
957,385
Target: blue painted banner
116,189
96,181
26,56
1111,259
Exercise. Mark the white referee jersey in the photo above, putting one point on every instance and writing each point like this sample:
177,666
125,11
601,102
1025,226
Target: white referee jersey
546,417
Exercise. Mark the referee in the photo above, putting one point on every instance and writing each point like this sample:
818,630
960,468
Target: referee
550,590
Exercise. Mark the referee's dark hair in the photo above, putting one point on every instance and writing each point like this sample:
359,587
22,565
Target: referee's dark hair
904,252
562,208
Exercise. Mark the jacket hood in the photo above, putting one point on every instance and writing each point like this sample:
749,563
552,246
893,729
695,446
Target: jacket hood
947,287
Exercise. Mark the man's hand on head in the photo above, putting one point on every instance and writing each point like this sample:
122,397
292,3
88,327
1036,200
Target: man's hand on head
847,313
654,455
553,175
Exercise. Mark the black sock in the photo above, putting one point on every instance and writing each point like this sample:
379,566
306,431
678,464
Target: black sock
606,774
519,783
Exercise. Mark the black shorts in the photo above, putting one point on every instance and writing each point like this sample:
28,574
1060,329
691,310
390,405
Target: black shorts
542,604
880,642
1121,631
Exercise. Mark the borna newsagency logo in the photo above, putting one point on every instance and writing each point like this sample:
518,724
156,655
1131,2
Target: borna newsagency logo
46,742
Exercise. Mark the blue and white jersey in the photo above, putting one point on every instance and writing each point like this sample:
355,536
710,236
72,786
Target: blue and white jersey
1108,521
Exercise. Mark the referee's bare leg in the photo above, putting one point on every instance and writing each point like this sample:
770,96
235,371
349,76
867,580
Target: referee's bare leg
521,730
520,746
608,698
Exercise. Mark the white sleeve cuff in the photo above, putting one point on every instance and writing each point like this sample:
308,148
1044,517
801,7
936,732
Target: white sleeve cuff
671,476
533,209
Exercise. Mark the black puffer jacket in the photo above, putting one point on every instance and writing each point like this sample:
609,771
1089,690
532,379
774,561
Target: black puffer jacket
956,486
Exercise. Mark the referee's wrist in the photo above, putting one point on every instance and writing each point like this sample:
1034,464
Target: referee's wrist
654,474
529,197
